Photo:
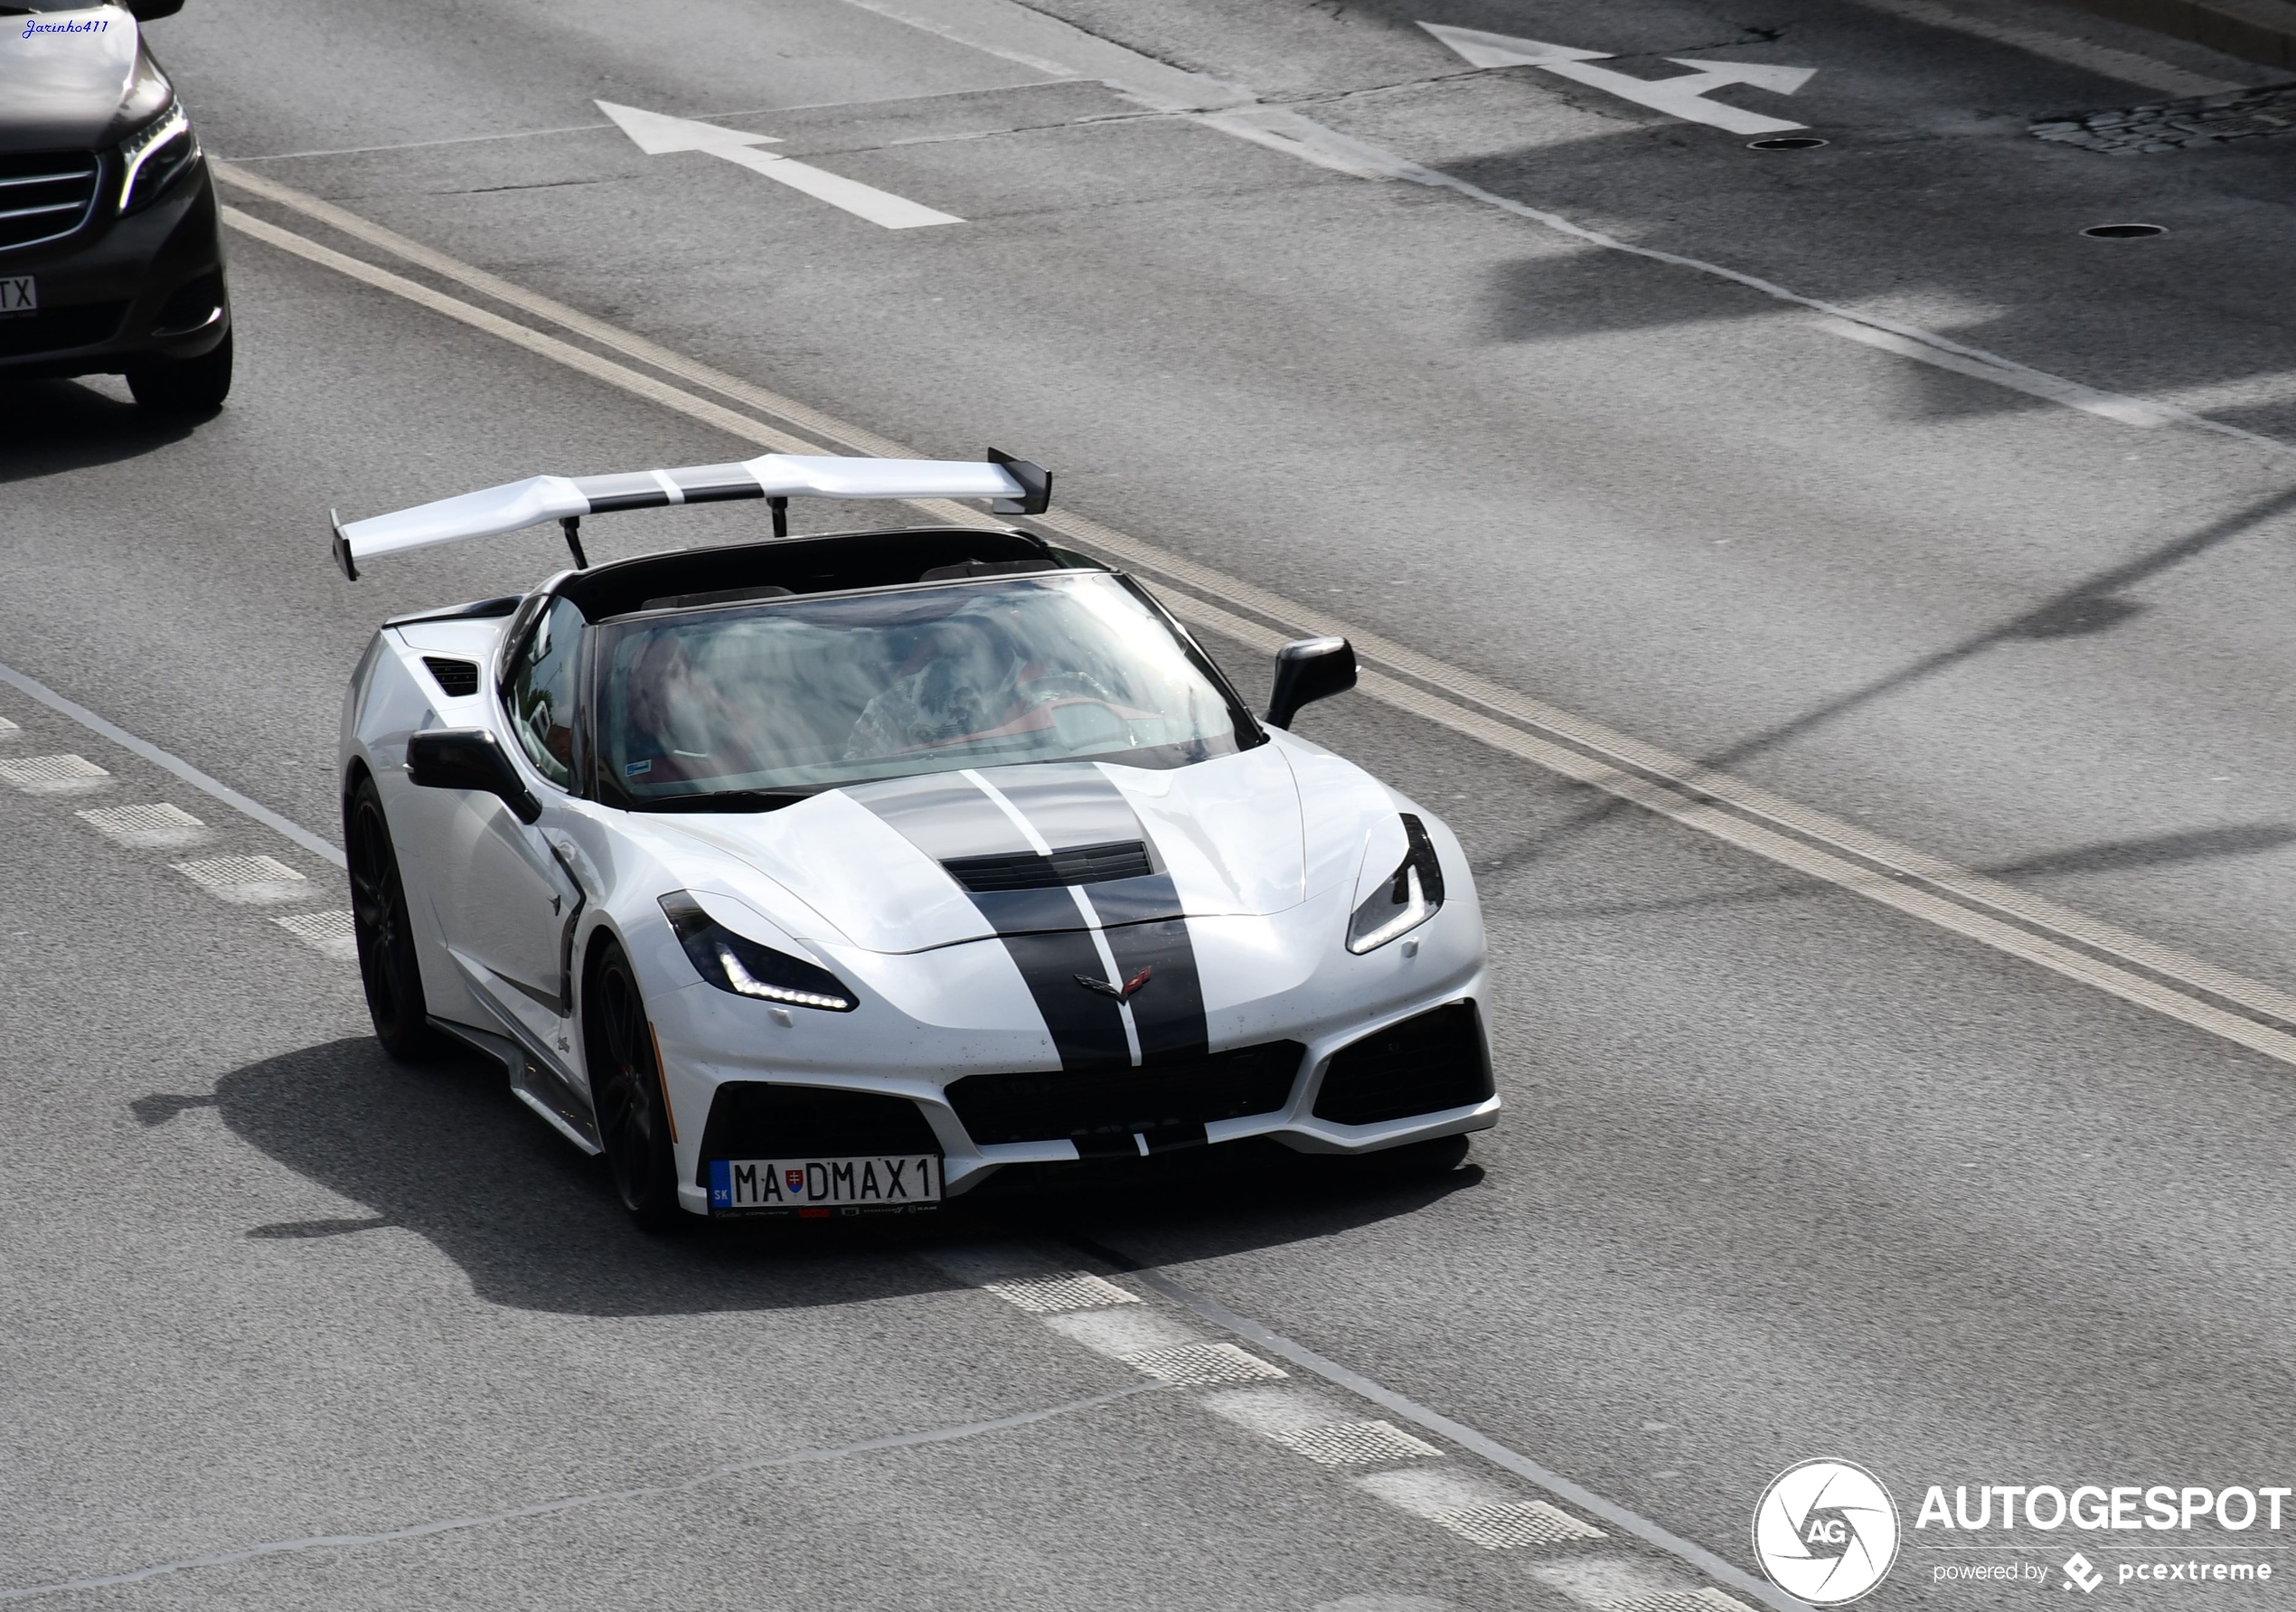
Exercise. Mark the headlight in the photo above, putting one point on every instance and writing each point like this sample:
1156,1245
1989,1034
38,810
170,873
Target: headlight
1394,895
155,157
735,963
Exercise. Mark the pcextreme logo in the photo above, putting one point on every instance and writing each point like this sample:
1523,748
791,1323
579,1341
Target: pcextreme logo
1826,1531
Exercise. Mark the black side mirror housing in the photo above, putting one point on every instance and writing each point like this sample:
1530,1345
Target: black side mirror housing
1308,670
469,758
144,11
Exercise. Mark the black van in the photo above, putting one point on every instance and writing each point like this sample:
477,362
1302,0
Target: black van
110,259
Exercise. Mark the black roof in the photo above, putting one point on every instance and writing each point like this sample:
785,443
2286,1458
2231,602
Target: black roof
829,564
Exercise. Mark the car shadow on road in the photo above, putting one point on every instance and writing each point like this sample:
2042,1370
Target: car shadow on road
446,1151
58,425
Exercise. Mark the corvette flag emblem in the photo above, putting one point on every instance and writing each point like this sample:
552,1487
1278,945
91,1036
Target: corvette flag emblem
1123,993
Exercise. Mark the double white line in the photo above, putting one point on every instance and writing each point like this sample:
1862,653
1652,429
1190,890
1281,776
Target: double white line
2249,1012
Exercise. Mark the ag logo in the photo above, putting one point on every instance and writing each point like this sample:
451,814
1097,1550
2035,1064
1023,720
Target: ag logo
1826,1531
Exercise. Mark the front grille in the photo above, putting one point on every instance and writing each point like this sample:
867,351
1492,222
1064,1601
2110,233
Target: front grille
1432,1062
456,679
58,330
1024,870
1102,1110
44,194
751,1119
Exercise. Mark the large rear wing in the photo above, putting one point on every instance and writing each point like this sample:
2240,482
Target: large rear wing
1016,486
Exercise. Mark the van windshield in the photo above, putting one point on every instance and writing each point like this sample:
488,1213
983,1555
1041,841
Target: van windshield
808,692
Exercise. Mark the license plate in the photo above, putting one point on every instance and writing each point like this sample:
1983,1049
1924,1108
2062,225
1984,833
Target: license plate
871,1182
19,294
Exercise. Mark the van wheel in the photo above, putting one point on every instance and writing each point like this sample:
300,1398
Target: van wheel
184,385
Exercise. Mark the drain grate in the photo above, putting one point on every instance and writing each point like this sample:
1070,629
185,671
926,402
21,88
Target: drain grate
53,775
2173,125
1192,1365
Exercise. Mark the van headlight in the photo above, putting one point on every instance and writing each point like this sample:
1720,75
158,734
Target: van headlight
746,968
155,157
1401,886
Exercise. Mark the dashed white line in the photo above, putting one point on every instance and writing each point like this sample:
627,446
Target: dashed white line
330,934
1050,1295
213,788
1476,1509
53,775
157,827
245,880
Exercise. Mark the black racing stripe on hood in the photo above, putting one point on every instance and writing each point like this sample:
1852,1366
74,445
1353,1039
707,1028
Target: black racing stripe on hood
1088,1027
946,816
1168,1010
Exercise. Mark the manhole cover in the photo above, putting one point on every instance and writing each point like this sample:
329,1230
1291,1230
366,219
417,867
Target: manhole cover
1787,142
2123,231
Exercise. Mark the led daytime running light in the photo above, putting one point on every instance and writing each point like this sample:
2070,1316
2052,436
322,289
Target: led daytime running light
136,151
748,985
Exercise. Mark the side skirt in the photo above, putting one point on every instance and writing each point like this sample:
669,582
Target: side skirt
533,1083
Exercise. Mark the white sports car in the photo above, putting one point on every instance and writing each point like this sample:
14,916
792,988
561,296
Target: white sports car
832,874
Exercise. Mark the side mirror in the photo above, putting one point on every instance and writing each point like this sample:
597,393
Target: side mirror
468,759
144,11
1308,670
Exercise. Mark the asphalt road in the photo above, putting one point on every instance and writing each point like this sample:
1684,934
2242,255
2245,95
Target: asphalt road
1787,1170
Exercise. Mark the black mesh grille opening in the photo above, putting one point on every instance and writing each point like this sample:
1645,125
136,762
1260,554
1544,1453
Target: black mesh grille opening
457,679
751,1119
1086,1105
1024,870
56,330
44,194
1432,1062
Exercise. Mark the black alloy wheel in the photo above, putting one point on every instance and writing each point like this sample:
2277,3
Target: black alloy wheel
625,1088
387,966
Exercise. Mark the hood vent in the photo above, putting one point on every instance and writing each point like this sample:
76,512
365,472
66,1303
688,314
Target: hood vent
457,679
1024,870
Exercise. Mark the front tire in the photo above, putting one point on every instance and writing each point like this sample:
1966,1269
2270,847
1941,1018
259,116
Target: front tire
184,385
388,967
625,1091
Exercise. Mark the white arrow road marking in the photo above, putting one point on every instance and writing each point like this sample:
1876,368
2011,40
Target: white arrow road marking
655,134
1683,96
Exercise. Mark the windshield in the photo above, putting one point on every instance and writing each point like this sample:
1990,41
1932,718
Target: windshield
814,692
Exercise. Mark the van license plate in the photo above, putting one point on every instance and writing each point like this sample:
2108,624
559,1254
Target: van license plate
19,294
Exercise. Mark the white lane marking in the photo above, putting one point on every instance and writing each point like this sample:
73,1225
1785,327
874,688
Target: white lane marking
656,134
2125,65
53,775
1120,1334
1615,1584
330,934
2129,411
1313,1426
146,827
1467,1439
1475,1509
337,1542
1195,1365
1682,96
988,24
183,769
1053,1294
8,730
1682,794
245,880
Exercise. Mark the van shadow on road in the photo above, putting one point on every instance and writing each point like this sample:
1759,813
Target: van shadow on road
60,426
447,1152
